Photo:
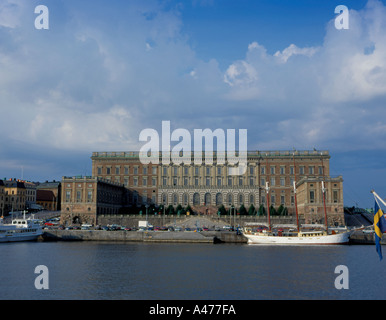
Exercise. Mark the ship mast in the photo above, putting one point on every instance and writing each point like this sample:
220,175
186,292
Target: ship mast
324,195
378,197
267,190
296,201
269,216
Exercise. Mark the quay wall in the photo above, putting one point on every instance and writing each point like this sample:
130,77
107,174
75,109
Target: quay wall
359,237
135,236
186,220
143,236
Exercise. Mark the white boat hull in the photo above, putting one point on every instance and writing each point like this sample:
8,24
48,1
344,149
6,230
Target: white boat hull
20,230
15,238
331,239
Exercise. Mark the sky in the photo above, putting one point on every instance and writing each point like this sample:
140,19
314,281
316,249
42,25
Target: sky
106,70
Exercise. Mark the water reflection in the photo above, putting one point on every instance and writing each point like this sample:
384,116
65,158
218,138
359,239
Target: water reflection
103,270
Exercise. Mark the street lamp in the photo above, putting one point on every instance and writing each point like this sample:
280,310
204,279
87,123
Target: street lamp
147,224
232,209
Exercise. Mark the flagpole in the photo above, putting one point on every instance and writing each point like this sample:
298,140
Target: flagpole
324,195
268,213
296,201
268,195
377,196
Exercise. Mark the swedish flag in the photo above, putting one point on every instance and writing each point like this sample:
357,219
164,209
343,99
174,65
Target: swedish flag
379,228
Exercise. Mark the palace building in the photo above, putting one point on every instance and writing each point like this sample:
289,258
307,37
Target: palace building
207,186
120,181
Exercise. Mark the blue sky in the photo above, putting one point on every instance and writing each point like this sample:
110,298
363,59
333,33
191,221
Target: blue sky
105,70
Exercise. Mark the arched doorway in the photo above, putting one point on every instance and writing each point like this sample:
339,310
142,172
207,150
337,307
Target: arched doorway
76,220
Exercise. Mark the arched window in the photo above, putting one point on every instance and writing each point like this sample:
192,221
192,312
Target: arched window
208,199
230,199
185,199
241,199
175,199
218,199
164,198
196,199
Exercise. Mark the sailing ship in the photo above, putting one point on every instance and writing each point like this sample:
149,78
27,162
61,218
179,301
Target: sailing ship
20,229
293,234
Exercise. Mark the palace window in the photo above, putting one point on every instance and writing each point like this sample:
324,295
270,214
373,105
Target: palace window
335,196
312,196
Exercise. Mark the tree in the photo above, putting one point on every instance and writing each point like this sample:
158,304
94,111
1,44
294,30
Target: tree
179,209
170,210
261,211
272,211
152,209
282,211
242,210
222,210
251,210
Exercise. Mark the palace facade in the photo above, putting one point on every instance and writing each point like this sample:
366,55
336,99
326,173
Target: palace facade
207,186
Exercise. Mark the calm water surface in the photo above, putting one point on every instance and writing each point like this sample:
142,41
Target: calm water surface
100,270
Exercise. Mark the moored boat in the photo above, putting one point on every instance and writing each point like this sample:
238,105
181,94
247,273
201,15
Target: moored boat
311,237
295,235
20,229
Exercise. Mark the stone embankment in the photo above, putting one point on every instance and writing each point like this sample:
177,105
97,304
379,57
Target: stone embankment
143,236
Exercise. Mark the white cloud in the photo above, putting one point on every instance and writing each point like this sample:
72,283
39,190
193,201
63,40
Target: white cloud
10,13
89,83
294,50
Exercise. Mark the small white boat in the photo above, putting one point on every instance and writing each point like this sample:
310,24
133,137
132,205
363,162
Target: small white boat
21,229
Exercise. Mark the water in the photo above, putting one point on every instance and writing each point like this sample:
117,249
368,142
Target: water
100,270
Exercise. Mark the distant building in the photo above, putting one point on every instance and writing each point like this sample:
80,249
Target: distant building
46,199
30,197
53,199
2,198
84,198
14,195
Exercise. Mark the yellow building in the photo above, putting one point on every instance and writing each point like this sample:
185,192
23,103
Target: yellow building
2,197
14,195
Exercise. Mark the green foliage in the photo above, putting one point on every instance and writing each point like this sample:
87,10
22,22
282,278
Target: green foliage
251,210
242,210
